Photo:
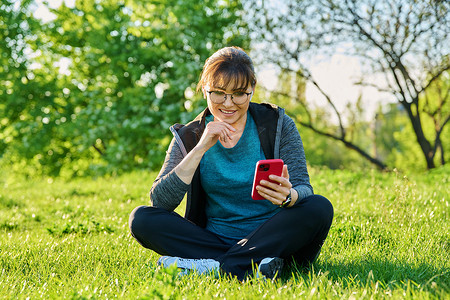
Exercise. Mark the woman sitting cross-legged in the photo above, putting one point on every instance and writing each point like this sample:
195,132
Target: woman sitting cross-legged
213,159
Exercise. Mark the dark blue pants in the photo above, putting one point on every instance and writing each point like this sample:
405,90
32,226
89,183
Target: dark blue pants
295,233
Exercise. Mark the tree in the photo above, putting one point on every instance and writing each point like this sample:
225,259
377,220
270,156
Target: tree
407,41
435,105
15,32
109,79
320,150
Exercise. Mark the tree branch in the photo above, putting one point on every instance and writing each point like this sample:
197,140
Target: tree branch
434,77
97,149
340,138
347,144
308,76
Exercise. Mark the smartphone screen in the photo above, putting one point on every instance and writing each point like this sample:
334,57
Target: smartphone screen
263,169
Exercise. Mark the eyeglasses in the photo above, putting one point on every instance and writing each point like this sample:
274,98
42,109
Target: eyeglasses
219,97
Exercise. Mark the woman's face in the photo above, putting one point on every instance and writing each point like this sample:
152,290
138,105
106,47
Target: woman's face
228,111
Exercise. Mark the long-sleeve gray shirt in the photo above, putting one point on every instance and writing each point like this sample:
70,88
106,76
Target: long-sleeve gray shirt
168,189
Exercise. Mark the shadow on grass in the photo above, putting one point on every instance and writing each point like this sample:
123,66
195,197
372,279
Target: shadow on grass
368,272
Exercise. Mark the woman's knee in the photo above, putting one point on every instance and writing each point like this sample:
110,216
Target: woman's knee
146,219
321,207
136,220
142,218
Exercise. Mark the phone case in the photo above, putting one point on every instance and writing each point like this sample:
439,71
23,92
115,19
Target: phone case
263,169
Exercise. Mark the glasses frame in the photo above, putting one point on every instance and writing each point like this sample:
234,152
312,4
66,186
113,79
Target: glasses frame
231,96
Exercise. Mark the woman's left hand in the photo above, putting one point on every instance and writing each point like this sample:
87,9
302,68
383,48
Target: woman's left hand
276,191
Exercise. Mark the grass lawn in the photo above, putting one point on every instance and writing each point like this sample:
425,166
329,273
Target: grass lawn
70,239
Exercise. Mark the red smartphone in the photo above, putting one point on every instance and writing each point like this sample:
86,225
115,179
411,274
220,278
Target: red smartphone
264,168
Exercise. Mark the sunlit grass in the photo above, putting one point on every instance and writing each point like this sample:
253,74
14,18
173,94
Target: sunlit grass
70,239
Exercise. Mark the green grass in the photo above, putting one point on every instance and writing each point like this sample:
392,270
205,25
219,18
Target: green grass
70,239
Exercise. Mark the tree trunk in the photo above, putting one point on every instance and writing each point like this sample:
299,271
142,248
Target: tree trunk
442,153
425,145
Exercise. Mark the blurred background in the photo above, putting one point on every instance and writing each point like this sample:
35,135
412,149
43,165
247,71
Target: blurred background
89,88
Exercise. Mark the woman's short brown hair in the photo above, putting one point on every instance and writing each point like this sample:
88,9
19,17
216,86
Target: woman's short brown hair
228,67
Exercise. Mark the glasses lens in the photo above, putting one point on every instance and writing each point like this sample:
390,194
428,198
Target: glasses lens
239,97
219,97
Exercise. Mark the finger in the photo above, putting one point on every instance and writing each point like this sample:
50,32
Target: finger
283,189
276,194
269,195
272,185
230,127
222,124
278,180
217,130
285,172
227,133
223,136
220,128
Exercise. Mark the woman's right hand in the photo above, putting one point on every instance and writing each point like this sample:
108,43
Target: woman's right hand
215,131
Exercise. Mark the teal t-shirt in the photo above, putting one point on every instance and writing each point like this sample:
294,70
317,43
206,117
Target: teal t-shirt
226,175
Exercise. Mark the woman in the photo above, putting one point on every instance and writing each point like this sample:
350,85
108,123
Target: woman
213,159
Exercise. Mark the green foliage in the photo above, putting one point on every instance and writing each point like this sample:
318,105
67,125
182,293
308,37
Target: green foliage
70,239
396,141
97,87
395,138
406,43
94,90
